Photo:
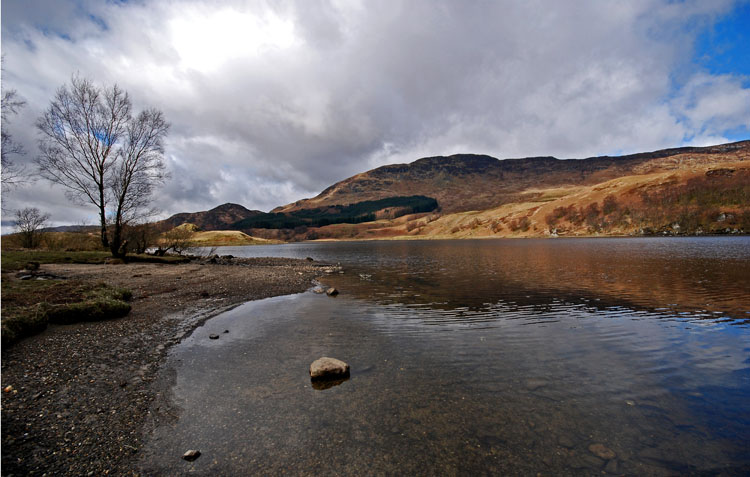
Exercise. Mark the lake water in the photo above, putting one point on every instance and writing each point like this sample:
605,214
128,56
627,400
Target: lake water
504,357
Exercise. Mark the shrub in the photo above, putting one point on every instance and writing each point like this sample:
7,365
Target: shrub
521,224
609,205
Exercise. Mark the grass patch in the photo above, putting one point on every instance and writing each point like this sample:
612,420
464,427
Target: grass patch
23,323
90,310
29,305
218,238
17,259
13,260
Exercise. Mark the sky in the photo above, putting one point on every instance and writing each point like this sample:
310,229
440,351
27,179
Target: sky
273,101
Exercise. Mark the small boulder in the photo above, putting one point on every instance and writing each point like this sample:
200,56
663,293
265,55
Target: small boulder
319,290
213,336
309,259
191,455
332,292
328,369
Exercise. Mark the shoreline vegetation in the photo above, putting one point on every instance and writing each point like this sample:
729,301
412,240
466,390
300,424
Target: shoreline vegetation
76,396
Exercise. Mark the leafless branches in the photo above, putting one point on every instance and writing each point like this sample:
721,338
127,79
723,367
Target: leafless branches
12,174
28,223
93,145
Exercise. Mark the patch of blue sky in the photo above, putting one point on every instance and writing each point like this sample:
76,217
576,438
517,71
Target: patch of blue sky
740,133
50,32
724,47
98,21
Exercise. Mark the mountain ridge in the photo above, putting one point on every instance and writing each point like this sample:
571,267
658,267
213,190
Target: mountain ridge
221,217
706,189
463,182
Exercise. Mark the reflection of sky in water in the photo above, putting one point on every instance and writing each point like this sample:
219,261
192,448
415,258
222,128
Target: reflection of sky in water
479,368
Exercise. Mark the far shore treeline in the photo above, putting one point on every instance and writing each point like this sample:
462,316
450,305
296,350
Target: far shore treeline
366,211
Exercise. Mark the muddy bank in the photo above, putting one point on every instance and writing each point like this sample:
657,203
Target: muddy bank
75,397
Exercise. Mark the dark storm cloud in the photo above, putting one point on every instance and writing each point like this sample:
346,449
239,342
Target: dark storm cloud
271,102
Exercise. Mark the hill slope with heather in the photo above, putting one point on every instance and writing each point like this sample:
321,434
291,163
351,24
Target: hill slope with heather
690,190
673,191
465,182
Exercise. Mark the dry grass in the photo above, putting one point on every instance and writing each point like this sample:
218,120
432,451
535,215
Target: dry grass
216,238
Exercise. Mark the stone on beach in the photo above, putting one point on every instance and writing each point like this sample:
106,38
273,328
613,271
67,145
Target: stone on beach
332,292
328,368
191,455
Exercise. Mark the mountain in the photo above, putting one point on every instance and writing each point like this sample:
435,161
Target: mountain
218,218
671,191
465,182
688,190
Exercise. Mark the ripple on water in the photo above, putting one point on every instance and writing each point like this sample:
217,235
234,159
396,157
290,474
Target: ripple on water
490,357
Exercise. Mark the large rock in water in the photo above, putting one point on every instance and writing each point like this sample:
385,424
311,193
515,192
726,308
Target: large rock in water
328,368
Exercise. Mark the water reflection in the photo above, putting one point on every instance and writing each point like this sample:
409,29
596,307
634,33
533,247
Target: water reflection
476,277
323,384
498,357
704,277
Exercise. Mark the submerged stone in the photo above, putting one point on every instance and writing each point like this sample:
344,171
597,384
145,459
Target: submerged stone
328,369
602,451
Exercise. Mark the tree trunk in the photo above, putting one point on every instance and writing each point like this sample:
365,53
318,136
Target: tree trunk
116,245
103,218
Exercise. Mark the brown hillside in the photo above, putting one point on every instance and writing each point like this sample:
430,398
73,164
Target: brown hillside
218,218
467,182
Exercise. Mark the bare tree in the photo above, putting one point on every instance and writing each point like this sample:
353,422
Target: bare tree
141,236
178,239
12,174
28,223
92,144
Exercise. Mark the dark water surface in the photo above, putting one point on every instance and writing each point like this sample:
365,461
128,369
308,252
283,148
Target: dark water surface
559,357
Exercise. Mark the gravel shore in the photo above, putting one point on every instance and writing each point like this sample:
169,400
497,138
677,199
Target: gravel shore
75,398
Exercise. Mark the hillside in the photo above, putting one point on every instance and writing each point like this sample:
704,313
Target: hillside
466,182
678,191
218,218
668,192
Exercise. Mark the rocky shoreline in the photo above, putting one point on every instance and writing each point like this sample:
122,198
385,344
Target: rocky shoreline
76,398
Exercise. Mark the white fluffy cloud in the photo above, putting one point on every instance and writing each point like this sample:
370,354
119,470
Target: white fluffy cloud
271,102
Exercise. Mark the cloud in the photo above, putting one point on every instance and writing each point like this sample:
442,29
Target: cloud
271,102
